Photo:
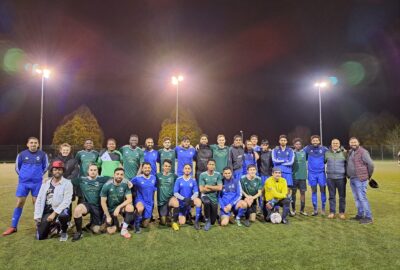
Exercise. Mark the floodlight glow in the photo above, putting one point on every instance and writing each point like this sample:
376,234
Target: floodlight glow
321,84
46,73
180,78
174,80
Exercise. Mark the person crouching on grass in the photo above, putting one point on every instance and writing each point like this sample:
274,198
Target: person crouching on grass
116,199
276,193
53,202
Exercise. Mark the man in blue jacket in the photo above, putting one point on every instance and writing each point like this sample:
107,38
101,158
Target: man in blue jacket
316,172
31,164
283,158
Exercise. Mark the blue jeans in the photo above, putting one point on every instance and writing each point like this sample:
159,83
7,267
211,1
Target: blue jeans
359,189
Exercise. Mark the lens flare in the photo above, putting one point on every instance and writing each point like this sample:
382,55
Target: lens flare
13,60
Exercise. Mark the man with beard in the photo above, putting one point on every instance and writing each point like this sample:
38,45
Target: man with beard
151,155
145,186
132,157
283,158
116,199
360,168
235,158
71,168
204,153
53,202
229,199
316,172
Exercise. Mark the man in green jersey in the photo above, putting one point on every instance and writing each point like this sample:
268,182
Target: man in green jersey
220,153
210,184
90,186
132,157
86,157
116,199
251,190
165,191
109,159
299,177
167,153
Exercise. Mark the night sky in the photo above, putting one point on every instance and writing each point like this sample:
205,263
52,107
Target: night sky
248,65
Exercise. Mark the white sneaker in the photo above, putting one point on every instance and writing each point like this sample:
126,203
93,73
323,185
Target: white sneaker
63,237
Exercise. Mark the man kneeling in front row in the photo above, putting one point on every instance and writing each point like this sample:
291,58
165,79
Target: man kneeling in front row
276,194
116,199
52,204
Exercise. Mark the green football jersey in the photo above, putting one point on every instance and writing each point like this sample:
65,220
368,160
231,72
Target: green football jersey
91,188
210,180
221,157
167,154
115,194
300,165
165,187
251,187
108,162
85,158
131,158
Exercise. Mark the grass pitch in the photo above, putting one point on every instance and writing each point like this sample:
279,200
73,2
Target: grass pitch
307,243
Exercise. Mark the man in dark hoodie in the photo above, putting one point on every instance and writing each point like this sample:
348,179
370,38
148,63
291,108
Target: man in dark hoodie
204,153
360,168
71,168
265,167
235,158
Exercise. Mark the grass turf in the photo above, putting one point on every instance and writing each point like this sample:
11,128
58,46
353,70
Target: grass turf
307,243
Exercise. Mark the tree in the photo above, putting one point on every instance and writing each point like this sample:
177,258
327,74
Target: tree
78,126
187,125
393,140
302,132
371,129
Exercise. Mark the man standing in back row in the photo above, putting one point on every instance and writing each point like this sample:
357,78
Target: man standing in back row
360,168
132,157
316,172
283,158
86,157
31,165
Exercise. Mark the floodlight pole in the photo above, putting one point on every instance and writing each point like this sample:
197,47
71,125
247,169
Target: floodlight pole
41,114
177,114
320,113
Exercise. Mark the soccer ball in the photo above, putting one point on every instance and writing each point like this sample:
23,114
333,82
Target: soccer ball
276,218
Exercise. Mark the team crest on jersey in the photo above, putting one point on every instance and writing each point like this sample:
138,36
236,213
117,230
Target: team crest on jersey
26,158
152,181
121,189
37,158
190,185
142,182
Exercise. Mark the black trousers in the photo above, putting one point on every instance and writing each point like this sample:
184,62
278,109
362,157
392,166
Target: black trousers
44,228
210,209
284,203
340,186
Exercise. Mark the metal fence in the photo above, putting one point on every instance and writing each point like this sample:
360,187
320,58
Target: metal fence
8,153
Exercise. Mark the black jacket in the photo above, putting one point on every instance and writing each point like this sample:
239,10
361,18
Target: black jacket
203,155
71,170
265,163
